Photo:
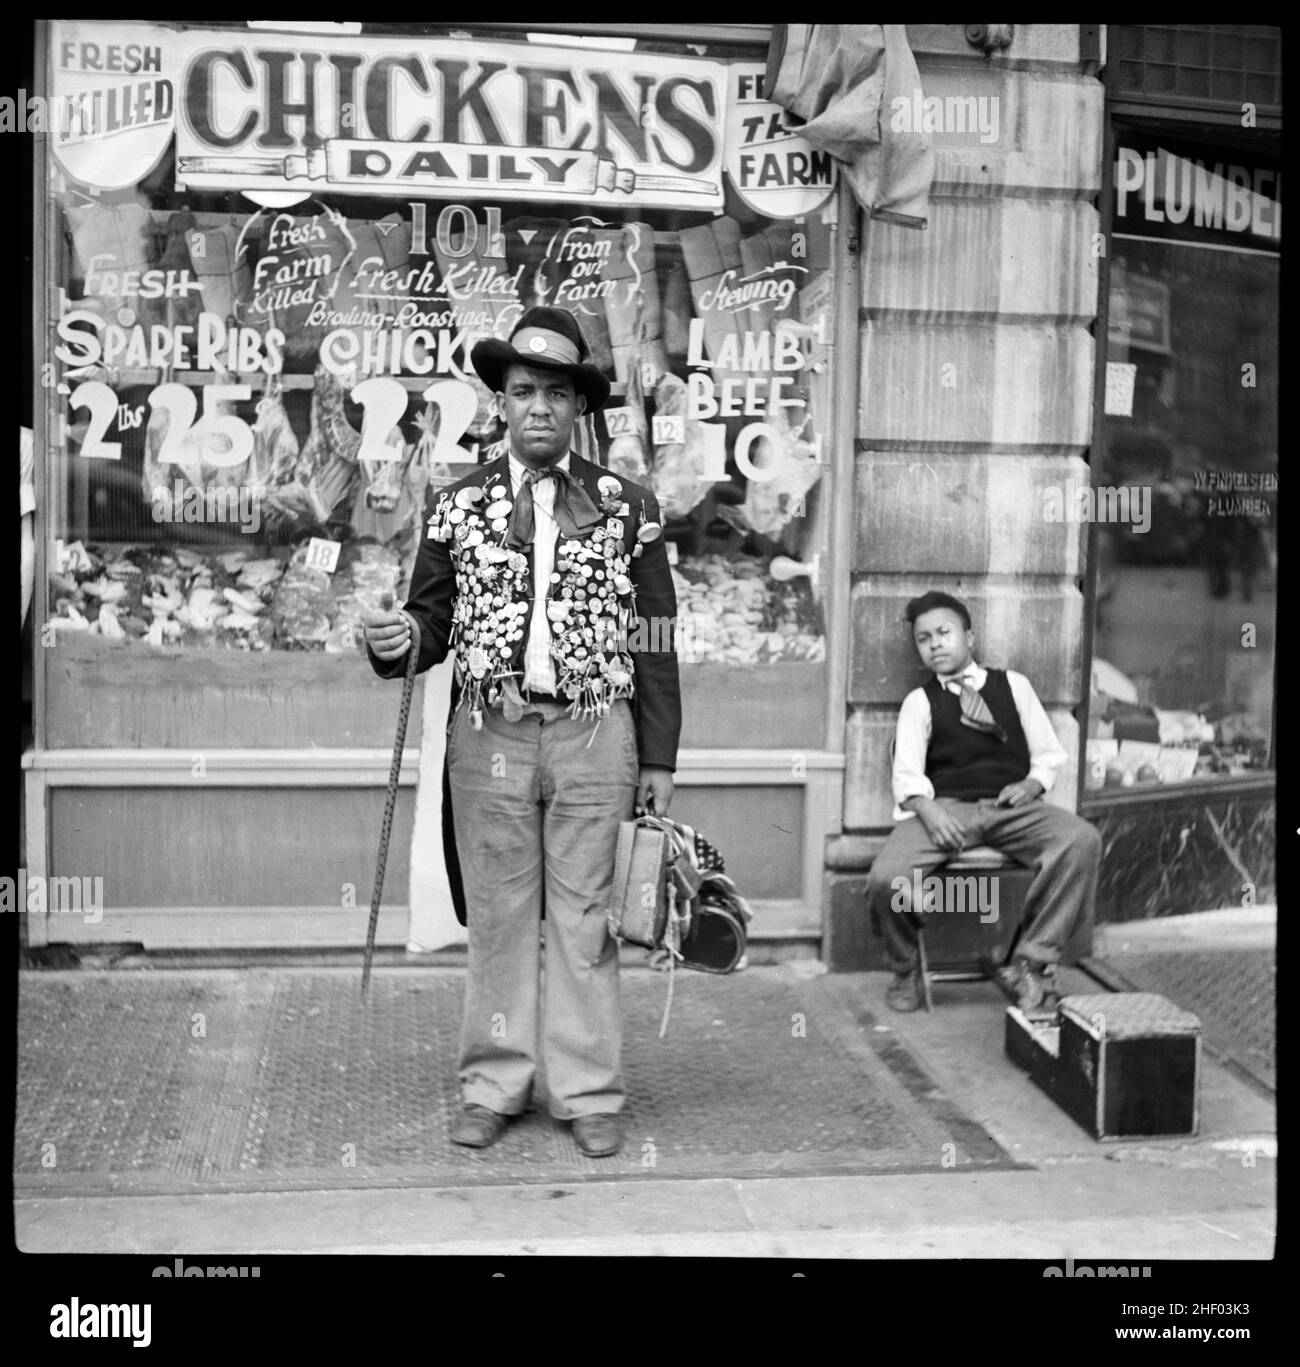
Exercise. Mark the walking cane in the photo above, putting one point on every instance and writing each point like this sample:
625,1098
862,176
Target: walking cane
390,802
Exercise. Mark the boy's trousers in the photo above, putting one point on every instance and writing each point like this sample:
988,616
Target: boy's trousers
1063,849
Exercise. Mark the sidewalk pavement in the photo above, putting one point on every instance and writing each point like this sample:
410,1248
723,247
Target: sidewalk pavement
1039,1189
1222,965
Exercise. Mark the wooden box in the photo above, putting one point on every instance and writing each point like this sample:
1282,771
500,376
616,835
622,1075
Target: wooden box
1122,1064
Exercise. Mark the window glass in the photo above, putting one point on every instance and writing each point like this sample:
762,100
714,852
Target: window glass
1186,589
276,252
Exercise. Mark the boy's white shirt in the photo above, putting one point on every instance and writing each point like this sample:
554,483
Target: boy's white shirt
915,724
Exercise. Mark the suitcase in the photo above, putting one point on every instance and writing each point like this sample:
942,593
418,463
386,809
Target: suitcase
1122,1064
638,909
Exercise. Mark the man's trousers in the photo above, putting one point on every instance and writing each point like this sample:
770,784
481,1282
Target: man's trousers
537,805
1063,849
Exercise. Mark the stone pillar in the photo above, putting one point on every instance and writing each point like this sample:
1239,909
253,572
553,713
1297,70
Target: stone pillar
975,398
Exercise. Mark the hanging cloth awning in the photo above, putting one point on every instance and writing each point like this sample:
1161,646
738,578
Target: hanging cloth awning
855,87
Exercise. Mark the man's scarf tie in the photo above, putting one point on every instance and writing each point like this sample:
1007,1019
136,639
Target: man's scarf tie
574,511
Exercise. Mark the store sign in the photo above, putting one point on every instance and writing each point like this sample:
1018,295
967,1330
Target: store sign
112,110
293,115
1170,191
773,169
1140,312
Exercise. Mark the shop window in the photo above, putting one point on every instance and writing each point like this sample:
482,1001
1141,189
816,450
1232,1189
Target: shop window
257,390
1186,573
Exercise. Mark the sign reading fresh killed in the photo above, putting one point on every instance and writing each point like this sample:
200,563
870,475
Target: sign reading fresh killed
301,114
112,111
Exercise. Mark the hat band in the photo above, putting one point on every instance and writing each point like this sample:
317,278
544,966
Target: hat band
542,344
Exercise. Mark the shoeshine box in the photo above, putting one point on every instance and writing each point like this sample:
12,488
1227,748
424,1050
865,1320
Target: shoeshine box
1123,1065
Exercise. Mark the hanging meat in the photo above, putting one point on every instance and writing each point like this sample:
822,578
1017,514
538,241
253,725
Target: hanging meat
221,263
677,474
327,465
188,460
632,309
116,238
390,495
275,447
770,504
629,452
677,313
769,253
180,309
271,466
711,254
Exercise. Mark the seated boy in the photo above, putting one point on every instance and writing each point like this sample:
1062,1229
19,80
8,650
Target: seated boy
973,755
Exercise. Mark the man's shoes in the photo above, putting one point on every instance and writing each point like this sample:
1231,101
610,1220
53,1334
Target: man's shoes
598,1136
476,1127
905,993
1031,987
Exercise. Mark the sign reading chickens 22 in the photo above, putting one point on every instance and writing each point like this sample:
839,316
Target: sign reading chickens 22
297,114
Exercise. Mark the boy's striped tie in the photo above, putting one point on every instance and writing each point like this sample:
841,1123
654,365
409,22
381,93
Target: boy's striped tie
975,711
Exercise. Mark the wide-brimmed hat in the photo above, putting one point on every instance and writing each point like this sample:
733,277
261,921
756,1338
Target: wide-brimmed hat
549,339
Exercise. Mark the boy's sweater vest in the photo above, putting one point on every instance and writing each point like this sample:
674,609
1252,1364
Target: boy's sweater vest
968,764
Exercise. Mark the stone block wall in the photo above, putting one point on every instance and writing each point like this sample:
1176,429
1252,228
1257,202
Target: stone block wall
975,397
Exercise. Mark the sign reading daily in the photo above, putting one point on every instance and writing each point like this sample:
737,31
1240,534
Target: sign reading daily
292,115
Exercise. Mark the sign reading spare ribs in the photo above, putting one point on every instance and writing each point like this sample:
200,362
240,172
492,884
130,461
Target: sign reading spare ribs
443,118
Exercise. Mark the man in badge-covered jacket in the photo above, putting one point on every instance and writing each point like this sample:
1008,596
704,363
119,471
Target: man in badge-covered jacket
550,578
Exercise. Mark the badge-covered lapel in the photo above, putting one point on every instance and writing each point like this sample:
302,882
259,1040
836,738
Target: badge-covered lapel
607,492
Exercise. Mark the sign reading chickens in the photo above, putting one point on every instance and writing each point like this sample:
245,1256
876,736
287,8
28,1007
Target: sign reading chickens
430,117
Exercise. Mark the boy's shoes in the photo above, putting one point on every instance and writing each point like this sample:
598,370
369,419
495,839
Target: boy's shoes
1031,987
905,993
